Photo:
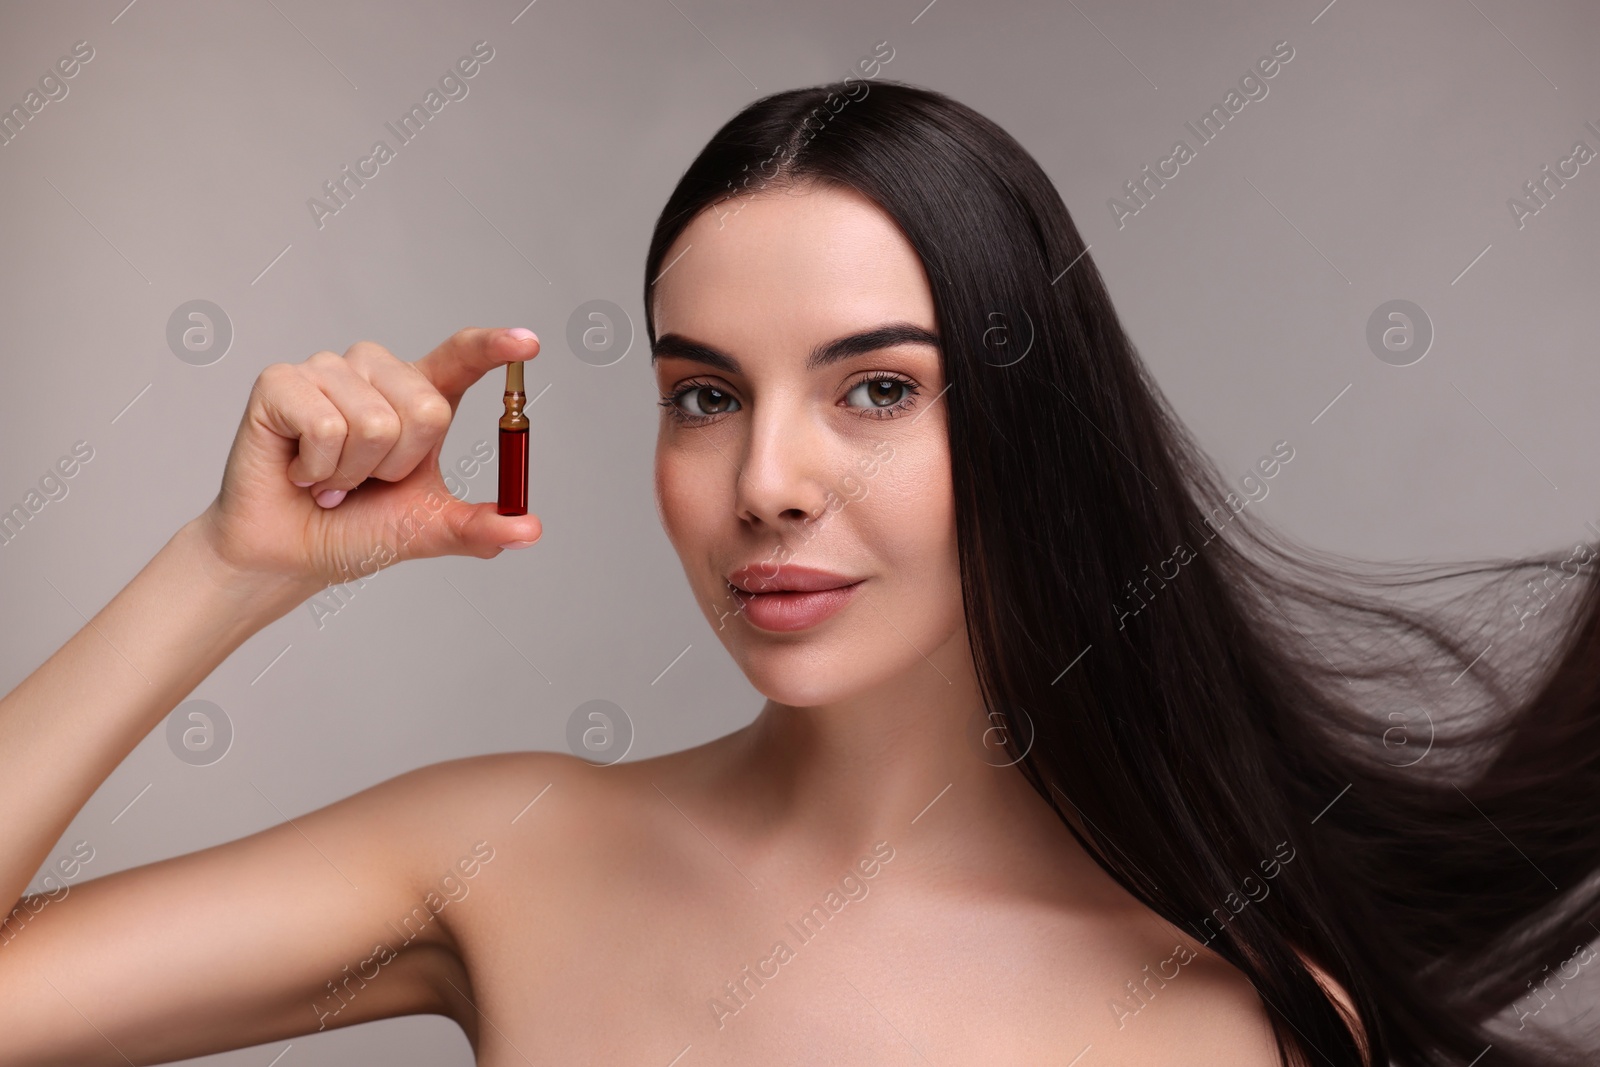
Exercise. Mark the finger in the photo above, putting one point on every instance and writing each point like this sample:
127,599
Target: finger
424,412
372,426
471,353
470,529
301,415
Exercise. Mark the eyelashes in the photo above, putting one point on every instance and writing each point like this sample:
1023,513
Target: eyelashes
673,406
720,397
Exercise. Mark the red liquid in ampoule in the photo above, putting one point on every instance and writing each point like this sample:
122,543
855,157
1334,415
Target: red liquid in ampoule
513,472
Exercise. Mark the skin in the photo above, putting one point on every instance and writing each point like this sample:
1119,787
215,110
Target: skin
615,902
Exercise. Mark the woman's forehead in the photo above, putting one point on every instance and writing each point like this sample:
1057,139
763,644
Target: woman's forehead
817,262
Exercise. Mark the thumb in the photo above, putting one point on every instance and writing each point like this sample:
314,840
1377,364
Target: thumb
462,529
482,531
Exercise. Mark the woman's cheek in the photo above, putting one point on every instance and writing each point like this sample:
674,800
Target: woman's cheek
675,494
910,508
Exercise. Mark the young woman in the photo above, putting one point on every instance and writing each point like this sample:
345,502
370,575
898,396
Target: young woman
1063,759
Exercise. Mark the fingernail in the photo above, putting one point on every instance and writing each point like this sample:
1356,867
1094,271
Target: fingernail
330,497
516,544
303,484
523,334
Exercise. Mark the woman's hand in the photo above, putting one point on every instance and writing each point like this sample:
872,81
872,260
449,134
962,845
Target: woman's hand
334,472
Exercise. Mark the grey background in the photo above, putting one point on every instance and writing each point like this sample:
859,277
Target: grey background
178,167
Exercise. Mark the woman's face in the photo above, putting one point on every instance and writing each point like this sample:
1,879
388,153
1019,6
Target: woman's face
776,452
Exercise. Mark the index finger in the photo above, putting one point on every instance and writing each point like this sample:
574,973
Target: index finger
470,353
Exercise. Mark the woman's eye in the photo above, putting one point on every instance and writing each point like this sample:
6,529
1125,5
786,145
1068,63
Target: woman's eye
695,402
883,397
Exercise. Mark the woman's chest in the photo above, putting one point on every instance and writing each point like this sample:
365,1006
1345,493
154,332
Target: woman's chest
778,978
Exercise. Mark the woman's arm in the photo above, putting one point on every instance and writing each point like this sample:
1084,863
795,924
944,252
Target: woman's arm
68,725
256,938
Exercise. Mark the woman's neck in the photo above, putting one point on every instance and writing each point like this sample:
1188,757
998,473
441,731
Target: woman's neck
907,756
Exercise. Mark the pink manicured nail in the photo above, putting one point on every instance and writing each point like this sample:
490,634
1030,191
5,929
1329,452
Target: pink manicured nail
303,484
516,544
523,334
330,497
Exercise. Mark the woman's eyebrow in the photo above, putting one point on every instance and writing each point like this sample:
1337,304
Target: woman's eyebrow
840,348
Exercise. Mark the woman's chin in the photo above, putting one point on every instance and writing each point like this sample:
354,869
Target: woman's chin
799,682
795,692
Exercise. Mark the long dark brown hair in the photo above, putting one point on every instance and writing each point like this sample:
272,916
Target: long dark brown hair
1403,767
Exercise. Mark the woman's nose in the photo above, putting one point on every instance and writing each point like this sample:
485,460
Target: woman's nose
783,473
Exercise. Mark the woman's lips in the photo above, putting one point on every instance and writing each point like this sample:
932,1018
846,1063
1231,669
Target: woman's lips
785,612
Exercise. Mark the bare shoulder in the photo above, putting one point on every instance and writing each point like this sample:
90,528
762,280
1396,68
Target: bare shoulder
1191,1006
1216,1018
553,817
1194,1003
483,784
501,797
